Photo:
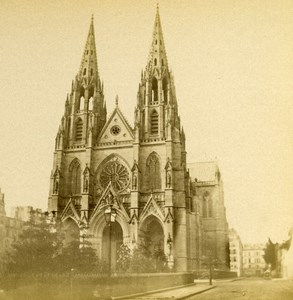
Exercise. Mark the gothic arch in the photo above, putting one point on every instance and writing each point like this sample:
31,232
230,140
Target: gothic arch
97,226
116,169
154,90
153,172
165,89
71,230
78,129
75,177
97,223
152,232
154,122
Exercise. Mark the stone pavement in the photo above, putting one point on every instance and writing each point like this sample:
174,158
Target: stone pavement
180,292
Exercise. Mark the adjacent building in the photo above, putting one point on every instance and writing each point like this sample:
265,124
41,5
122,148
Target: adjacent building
236,252
140,170
11,227
253,261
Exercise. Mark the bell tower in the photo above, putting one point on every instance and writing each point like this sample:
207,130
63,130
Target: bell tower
156,109
83,119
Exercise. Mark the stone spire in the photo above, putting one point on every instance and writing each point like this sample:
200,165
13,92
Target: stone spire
89,65
157,55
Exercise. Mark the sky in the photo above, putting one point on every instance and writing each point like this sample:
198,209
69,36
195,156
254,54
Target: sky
233,66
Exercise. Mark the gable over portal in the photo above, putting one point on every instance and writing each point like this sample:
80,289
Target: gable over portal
116,129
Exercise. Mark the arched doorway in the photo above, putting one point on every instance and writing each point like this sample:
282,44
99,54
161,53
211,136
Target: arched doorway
154,235
71,232
151,236
112,239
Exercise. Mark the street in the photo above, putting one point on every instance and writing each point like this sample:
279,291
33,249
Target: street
256,288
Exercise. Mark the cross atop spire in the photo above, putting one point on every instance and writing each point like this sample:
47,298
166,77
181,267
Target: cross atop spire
89,65
157,55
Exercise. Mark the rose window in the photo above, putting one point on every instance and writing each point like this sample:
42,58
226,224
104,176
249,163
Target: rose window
115,130
115,173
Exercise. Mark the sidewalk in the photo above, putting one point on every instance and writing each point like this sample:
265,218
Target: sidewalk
180,292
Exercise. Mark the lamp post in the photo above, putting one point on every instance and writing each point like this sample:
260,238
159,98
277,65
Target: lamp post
110,216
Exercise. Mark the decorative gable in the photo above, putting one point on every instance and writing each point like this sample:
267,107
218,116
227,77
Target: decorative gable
151,208
70,211
109,197
116,130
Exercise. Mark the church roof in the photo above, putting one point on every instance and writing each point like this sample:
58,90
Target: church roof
203,171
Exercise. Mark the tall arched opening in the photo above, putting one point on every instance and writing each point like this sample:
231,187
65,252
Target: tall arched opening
151,237
71,232
112,239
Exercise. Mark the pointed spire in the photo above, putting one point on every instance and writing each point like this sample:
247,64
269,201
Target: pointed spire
89,65
157,55
117,100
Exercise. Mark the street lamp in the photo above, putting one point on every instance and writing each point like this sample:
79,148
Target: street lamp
110,216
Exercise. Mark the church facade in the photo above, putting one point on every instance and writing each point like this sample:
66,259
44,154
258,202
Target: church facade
139,170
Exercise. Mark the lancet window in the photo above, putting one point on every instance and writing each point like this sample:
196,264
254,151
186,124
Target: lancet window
78,130
154,91
75,178
154,122
153,172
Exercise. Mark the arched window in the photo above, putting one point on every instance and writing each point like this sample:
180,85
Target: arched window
84,71
153,172
91,103
75,178
78,130
81,103
154,90
155,61
165,90
92,72
154,122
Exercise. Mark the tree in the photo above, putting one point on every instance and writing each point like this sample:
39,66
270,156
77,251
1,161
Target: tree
81,258
141,259
123,258
270,255
36,249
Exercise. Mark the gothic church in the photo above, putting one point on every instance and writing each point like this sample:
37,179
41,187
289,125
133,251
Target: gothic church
140,170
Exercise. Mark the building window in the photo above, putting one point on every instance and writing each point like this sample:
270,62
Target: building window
165,89
76,178
153,172
78,130
154,122
84,71
81,103
155,61
91,103
154,90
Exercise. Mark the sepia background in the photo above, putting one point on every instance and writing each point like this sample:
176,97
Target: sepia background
233,68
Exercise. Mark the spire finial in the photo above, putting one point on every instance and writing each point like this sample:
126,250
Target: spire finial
89,66
157,55
116,101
